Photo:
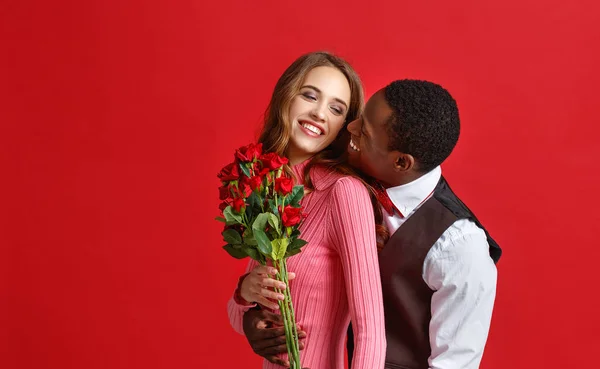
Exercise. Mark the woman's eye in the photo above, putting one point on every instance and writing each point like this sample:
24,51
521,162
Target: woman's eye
337,110
310,97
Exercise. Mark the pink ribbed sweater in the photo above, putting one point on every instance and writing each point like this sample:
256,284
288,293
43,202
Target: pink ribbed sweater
337,276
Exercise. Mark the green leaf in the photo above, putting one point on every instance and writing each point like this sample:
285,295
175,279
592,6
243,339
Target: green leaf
253,200
235,251
273,208
253,253
221,219
297,244
280,246
264,243
276,245
245,170
293,252
262,259
274,222
261,222
249,212
249,238
232,236
296,195
231,216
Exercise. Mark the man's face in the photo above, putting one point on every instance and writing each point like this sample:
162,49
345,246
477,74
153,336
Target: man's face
368,149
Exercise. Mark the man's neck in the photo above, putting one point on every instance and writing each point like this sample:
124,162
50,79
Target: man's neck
403,179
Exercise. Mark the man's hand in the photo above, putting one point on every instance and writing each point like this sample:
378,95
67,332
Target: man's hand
266,335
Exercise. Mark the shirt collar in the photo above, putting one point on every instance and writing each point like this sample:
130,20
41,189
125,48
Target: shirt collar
298,170
406,198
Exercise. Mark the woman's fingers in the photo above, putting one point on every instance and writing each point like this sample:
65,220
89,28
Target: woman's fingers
264,269
258,292
267,303
272,294
261,288
270,282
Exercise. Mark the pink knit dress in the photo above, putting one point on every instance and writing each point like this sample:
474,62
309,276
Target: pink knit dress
337,276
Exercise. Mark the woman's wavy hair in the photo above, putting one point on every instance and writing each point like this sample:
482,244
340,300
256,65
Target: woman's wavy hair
275,135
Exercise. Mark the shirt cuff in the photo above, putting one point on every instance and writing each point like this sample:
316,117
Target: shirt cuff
237,297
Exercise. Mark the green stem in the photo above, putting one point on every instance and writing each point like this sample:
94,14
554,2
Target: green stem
262,205
245,220
288,333
285,315
292,318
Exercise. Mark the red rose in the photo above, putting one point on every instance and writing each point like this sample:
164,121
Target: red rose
223,205
290,216
224,193
272,161
259,170
248,153
238,204
230,172
255,182
243,190
284,185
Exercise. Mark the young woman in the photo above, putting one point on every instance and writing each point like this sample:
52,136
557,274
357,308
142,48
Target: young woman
337,271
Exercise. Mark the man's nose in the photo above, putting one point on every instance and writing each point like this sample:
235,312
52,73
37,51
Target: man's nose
352,126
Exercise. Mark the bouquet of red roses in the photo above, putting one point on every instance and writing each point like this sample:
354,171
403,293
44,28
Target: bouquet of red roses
262,213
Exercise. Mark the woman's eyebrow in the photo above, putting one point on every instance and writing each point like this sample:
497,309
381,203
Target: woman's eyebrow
319,91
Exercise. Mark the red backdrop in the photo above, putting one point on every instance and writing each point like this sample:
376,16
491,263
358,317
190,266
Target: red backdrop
116,117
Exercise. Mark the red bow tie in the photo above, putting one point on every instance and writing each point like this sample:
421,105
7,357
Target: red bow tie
385,201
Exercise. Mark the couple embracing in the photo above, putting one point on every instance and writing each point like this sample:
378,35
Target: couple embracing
395,261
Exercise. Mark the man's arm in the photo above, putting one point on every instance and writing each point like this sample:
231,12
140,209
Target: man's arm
462,274
266,335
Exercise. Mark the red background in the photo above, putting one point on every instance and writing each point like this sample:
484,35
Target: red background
116,117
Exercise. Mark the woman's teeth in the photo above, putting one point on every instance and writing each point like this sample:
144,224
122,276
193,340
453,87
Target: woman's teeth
353,146
311,128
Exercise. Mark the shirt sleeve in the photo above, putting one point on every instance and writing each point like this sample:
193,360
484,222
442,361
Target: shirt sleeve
353,234
236,307
461,272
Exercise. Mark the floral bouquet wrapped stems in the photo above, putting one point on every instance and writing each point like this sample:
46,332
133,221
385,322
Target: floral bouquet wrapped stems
262,214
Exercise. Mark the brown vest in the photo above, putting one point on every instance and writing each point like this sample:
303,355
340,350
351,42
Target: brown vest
406,297
407,305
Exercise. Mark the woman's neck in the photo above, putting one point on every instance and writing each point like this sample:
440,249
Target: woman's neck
298,159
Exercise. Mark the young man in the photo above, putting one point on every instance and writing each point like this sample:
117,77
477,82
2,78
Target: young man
438,267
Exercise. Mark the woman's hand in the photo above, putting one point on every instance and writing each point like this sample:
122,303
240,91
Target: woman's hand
258,287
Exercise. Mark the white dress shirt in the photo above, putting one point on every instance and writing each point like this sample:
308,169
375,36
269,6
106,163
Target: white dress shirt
461,272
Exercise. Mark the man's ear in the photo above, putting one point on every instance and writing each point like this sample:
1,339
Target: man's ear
403,162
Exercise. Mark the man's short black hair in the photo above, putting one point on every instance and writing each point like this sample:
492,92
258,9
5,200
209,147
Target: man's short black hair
424,123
